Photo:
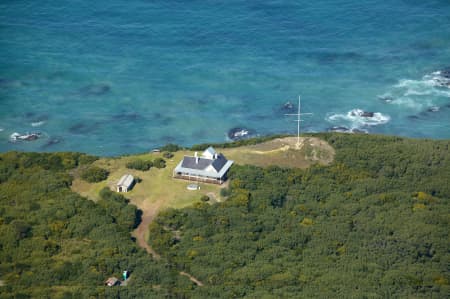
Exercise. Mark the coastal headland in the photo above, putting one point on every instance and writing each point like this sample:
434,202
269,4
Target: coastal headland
158,190
329,216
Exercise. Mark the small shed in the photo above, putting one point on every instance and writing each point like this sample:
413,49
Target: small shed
112,281
125,183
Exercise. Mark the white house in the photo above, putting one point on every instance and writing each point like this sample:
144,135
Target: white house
125,183
210,167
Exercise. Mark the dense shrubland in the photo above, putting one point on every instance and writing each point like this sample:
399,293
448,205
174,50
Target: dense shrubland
145,165
374,224
94,174
56,244
139,164
159,163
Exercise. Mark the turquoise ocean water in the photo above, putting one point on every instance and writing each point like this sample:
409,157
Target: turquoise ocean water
116,77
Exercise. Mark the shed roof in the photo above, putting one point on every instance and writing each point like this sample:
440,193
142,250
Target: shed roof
126,180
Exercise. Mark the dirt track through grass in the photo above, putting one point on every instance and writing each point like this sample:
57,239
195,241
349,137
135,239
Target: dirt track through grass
141,231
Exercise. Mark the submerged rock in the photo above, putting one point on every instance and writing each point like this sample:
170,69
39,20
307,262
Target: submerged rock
82,128
386,99
433,109
95,89
127,116
425,113
6,83
51,142
36,120
56,75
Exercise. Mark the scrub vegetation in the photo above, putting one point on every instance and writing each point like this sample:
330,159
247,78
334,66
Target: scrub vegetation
371,224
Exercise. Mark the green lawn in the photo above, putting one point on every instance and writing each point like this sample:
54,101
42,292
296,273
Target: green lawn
159,190
157,185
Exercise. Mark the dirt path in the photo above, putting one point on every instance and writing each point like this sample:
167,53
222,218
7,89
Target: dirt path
149,212
192,278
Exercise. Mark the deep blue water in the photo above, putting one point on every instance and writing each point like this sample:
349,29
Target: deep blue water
115,77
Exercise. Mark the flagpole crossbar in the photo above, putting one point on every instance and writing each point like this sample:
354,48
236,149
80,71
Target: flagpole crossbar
298,120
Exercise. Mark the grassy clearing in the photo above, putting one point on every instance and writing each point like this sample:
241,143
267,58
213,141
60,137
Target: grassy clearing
283,152
158,186
159,191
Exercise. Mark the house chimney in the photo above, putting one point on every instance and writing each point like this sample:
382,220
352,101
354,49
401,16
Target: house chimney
196,157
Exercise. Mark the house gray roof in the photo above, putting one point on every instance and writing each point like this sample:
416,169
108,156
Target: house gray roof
203,163
126,180
215,168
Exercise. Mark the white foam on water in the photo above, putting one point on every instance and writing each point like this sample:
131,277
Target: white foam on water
386,97
347,130
37,124
434,109
419,94
355,119
408,102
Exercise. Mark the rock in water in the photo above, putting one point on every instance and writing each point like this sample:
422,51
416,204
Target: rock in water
6,83
358,112
51,142
95,89
433,109
131,116
339,129
446,73
386,99
239,133
83,128
288,106
25,137
441,78
367,114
